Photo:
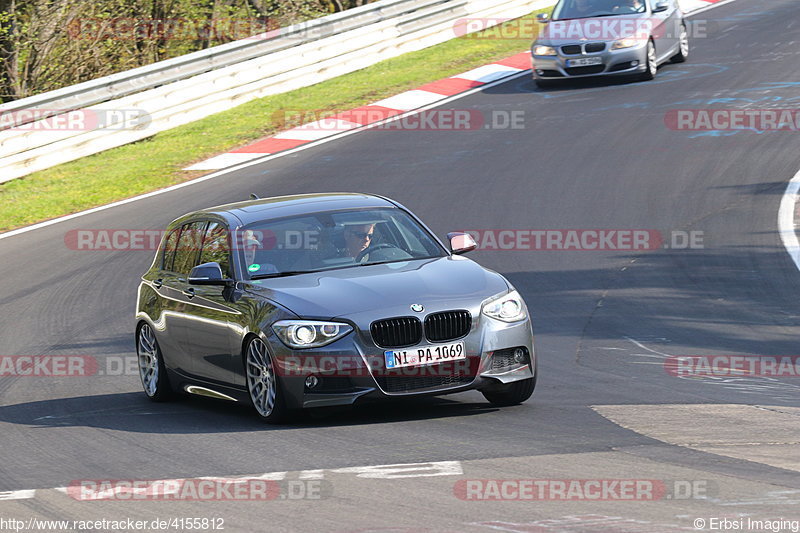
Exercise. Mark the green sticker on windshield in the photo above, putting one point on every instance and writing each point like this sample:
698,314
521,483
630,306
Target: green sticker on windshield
254,267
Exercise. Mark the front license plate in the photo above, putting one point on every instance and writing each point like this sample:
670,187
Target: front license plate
585,62
424,355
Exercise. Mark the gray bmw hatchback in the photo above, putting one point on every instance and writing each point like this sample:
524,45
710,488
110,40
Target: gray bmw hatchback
326,299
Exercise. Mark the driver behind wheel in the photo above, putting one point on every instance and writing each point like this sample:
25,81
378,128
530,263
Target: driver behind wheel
357,238
630,6
252,245
582,8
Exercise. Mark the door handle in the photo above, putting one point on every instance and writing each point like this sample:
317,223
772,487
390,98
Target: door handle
158,283
189,292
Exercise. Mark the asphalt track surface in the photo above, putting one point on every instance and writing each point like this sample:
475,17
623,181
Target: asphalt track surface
591,155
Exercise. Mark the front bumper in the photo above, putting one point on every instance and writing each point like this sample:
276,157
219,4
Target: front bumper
621,62
352,369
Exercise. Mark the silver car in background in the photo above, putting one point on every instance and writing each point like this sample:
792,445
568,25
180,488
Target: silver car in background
585,38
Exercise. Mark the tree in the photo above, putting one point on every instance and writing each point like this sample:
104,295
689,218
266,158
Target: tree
49,44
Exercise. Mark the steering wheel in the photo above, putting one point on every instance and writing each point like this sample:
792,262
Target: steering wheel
371,249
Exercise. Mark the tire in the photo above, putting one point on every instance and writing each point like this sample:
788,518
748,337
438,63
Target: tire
152,371
683,48
511,393
651,63
263,386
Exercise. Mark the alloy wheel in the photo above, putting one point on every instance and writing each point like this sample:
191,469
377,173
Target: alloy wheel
148,360
261,382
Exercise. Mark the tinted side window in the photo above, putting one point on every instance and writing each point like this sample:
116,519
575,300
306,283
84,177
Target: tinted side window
188,247
216,247
170,244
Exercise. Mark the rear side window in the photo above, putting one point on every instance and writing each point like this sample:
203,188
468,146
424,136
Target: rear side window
216,247
170,245
188,249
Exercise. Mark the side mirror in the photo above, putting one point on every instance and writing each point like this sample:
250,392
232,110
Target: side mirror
544,18
461,243
660,6
208,274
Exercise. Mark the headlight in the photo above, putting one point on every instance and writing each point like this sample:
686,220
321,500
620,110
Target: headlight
541,50
309,333
507,307
625,43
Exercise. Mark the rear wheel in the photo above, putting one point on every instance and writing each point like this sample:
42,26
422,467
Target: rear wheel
266,395
651,63
152,371
511,393
683,48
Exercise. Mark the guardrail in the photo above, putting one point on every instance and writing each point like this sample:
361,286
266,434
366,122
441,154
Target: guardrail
141,102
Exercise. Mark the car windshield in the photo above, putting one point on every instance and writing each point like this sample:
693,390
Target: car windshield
333,239
575,9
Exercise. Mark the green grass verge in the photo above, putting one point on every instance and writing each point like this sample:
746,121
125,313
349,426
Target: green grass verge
156,162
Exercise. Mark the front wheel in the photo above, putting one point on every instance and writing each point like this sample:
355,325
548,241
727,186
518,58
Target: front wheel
511,393
683,48
152,371
651,63
266,395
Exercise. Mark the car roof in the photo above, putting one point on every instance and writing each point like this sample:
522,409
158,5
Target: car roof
251,211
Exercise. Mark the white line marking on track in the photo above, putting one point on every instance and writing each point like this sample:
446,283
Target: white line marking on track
17,495
441,468
786,219
643,347
709,7
312,474
488,73
316,130
409,100
223,161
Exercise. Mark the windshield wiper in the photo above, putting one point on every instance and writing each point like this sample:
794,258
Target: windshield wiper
399,260
282,274
595,16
